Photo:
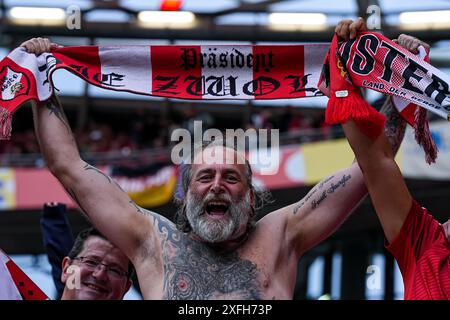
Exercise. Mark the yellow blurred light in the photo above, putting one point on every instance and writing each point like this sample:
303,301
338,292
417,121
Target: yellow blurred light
166,18
425,19
37,15
298,21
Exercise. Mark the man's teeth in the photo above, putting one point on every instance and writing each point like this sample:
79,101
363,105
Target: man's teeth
93,286
217,207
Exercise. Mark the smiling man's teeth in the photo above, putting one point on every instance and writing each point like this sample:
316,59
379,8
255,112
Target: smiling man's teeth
93,286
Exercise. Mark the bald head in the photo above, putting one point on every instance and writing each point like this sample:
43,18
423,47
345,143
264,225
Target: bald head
218,154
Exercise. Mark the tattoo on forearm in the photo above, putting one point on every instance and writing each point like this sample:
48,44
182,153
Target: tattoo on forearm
87,166
395,124
298,206
340,183
321,184
330,190
302,202
138,209
56,109
311,193
316,202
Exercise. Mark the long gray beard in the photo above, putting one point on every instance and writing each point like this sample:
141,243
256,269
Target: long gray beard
216,231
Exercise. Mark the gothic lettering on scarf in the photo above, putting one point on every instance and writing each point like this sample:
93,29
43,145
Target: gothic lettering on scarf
232,59
166,85
362,62
221,86
298,84
214,86
104,79
109,79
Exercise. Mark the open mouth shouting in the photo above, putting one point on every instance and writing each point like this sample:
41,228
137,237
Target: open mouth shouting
216,209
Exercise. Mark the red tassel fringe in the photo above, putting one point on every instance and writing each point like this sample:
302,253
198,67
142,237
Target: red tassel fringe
353,106
5,124
423,135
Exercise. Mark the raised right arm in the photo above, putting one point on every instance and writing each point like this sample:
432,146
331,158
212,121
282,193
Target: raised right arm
107,206
103,201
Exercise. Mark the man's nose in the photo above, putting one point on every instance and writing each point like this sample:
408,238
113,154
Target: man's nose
100,272
217,185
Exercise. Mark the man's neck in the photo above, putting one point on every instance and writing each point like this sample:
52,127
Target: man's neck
224,247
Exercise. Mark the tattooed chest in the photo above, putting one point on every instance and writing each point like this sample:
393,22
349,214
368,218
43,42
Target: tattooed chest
196,272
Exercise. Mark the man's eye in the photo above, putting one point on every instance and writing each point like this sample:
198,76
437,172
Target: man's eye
91,263
232,178
116,272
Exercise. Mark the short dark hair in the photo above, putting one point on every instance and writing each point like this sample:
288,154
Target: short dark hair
263,196
81,239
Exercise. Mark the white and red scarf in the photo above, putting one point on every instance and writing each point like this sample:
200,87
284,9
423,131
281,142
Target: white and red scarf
15,284
235,72
375,62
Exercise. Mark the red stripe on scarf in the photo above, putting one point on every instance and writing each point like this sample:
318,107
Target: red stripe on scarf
184,80
84,61
27,288
288,74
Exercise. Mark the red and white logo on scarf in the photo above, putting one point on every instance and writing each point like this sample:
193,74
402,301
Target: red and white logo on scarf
13,84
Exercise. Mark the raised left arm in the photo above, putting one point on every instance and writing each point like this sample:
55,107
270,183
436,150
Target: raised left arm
331,201
323,209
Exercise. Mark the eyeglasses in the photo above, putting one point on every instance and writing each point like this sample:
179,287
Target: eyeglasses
92,264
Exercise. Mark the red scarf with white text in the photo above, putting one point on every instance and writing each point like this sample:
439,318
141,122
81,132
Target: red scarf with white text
375,62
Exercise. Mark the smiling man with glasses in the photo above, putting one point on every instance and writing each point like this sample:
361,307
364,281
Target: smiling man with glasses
93,263
95,269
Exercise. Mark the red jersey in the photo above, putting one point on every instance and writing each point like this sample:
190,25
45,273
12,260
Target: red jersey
423,255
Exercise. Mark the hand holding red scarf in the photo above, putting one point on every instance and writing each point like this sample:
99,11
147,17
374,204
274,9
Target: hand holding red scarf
345,101
374,62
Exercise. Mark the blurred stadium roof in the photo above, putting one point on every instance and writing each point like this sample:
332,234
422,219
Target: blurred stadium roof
235,20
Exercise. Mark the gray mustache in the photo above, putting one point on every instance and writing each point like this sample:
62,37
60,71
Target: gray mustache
212,197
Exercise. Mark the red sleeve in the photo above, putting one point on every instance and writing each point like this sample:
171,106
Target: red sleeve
419,231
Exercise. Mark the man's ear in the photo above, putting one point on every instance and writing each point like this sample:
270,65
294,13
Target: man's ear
65,264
